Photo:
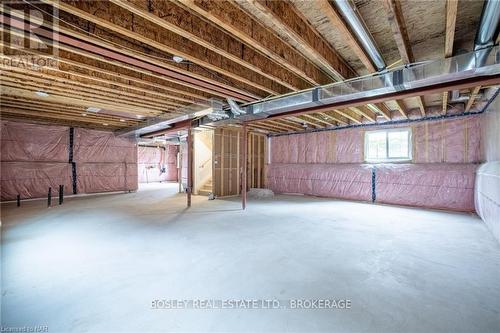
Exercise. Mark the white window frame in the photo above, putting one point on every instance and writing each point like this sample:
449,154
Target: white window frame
389,159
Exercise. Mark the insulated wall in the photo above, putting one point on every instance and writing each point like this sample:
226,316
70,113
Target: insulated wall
330,163
487,190
157,164
104,162
36,157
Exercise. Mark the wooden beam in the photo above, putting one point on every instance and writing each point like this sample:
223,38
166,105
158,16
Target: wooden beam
56,121
68,67
265,127
105,49
318,118
104,67
451,17
77,113
24,90
286,124
401,108
336,117
199,31
234,20
304,119
382,109
159,38
294,124
47,114
336,19
78,87
397,22
308,41
349,115
472,98
362,111
277,125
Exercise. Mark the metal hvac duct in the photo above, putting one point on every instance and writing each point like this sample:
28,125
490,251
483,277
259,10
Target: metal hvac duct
350,13
488,27
487,31
440,71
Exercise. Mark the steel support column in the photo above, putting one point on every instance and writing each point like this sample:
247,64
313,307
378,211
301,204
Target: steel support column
245,168
189,165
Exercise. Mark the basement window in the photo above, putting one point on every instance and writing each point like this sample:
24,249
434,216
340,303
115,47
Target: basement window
392,145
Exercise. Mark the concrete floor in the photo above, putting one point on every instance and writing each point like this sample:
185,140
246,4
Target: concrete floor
96,264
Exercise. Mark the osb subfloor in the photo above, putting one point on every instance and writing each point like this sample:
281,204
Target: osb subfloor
96,264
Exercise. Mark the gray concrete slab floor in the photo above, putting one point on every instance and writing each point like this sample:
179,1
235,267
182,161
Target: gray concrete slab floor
97,264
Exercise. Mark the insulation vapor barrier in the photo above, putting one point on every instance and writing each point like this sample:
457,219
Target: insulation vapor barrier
487,196
29,142
36,157
487,190
33,179
346,181
106,177
98,146
454,140
330,164
440,186
157,164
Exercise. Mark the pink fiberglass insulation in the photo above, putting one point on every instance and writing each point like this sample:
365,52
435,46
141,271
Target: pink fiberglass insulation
442,186
30,142
345,181
106,177
99,146
487,195
454,140
157,164
33,179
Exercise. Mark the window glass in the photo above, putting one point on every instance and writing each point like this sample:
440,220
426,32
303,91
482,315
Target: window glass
377,145
398,144
388,145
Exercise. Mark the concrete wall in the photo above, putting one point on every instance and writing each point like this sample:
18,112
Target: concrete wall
487,189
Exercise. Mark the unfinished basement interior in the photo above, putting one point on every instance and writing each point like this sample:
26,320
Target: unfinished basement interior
250,166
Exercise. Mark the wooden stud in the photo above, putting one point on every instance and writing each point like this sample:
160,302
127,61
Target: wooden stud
472,98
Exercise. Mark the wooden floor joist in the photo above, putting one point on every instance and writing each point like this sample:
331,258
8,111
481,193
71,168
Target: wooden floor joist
220,12
209,36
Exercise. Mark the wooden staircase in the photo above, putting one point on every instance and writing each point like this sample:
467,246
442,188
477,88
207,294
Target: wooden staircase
206,189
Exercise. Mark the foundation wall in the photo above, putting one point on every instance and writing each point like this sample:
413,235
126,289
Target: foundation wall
157,164
441,174
36,157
